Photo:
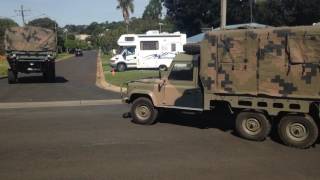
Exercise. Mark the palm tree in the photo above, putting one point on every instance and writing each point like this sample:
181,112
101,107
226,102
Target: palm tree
126,7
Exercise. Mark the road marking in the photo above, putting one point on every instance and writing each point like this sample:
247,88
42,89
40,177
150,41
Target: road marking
79,103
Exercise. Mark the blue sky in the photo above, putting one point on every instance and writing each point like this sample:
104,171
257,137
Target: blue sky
69,11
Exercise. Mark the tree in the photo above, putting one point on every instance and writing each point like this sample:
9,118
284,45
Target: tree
44,23
191,16
153,10
4,24
126,7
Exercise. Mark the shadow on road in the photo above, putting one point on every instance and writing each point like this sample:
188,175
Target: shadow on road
218,118
39,79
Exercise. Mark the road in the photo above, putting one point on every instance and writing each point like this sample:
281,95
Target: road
95,142
75,80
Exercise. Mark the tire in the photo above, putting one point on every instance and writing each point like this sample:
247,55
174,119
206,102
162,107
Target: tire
50,74
163,68
143,112
298,131
253,126
12,77
121,67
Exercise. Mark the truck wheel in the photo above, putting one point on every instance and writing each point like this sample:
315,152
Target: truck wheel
121,67
163,68
12,77
253,126
143,112
298,131
50,75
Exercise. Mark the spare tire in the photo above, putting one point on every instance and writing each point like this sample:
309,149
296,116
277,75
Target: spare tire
192,49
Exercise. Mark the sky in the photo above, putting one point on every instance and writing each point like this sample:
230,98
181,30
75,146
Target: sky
79,12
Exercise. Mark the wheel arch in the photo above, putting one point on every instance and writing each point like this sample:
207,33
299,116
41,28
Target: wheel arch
135,95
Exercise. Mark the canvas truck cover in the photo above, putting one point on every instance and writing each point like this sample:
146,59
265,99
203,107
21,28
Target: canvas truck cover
30,39
278,62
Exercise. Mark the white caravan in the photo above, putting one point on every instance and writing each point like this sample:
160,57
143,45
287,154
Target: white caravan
148,51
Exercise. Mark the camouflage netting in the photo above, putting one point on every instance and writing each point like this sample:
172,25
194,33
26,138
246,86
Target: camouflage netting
280,62
30,39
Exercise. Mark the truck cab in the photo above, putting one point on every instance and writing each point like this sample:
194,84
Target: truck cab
177,88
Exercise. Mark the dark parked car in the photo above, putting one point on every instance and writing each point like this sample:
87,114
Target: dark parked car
78,52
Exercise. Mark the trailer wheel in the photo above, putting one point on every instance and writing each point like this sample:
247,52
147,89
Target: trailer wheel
298,131
253,126
143,112
121,67
12,77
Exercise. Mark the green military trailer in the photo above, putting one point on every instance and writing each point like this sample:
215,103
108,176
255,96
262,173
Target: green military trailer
266,76
30,50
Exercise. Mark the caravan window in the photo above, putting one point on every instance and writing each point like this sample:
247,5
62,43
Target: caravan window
149,45
129,38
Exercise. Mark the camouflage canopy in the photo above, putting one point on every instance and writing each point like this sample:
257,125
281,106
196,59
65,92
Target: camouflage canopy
278,62
30,39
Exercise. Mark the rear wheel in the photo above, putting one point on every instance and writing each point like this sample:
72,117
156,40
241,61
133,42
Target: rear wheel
121,67
298,131
253,126
12,77
143,112
50,73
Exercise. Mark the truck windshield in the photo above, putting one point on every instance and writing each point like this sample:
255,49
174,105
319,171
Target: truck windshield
181,72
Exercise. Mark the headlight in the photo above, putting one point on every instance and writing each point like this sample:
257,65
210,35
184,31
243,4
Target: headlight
13,56
50,56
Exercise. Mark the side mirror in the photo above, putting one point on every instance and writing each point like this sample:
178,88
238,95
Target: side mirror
161,84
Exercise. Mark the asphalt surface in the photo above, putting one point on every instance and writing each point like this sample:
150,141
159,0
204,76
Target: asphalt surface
97,143
75,80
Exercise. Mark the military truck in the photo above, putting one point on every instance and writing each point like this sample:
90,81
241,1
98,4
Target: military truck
30,50
267,77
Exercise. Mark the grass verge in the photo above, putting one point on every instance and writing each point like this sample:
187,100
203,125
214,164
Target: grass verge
121,77
62,56
3,66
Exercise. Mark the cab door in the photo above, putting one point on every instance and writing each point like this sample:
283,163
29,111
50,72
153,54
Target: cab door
181,89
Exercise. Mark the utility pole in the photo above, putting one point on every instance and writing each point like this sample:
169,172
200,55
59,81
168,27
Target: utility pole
251,11
161,24
21,13
223,14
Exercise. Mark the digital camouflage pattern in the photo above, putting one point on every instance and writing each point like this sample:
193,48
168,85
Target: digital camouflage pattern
30,38
278,62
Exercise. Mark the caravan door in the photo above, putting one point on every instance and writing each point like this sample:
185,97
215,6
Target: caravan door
148,56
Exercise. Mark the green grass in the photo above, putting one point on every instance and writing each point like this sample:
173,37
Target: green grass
64,56
3,67
121,77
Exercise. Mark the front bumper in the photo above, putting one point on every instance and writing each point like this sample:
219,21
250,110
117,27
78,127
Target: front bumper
124,95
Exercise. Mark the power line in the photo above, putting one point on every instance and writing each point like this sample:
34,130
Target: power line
22,12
